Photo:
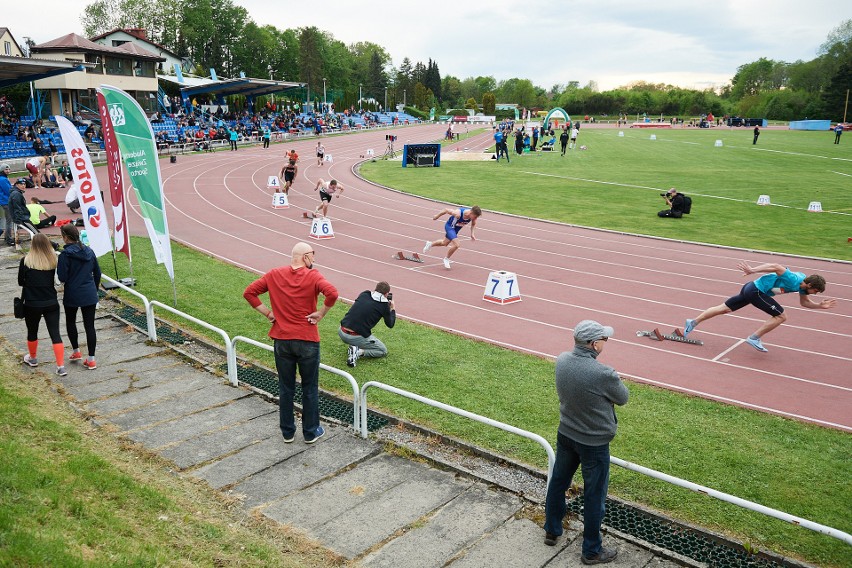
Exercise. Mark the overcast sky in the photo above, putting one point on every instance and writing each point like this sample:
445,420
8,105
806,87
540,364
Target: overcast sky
690,43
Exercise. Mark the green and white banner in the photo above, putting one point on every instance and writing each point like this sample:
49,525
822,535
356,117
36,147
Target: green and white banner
139,152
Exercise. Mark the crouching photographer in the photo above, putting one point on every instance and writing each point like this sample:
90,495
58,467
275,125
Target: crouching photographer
676,202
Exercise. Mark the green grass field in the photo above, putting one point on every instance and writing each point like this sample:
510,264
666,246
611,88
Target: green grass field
615,184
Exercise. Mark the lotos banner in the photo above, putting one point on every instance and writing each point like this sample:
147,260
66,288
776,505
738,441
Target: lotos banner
138,151
120,233
88,190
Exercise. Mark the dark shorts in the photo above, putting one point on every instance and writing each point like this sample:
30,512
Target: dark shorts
325,196
751,295
32,169
288,176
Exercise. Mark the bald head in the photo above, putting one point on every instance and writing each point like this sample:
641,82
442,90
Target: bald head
302,255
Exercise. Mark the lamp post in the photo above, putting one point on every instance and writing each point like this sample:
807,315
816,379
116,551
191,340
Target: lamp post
386,100
324,100
403,97
360,96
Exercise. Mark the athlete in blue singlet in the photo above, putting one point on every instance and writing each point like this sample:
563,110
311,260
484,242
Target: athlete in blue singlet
458,219
760,294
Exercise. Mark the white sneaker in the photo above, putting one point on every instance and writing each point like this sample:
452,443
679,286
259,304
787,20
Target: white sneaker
427,247
447,263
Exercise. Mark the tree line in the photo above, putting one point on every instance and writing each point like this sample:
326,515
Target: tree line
219,34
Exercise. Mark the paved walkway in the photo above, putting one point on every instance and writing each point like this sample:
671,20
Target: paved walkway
345,492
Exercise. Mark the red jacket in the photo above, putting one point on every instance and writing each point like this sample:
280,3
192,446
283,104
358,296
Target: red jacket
293,296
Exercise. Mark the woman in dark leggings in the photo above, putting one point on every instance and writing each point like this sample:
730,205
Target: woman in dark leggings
79,270
35,275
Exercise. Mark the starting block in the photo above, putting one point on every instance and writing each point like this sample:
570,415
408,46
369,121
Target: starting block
676,335
414,257
279,201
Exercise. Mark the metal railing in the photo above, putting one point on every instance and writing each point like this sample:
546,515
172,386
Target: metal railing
551,457
359,403
745,504
232,374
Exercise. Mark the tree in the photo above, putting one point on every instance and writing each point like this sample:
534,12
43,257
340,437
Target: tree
432,79
753,78
451,91
376,77
489,103
310,57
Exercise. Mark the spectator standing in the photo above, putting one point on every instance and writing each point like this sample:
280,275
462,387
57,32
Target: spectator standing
838,130
356,327
587,391
267,136
79,270
293,293
6,214
563,139
756,134
36,273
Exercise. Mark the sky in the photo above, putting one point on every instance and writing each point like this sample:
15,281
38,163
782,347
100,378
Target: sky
688,43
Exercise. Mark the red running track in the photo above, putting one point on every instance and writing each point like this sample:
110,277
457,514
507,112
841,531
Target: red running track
219,204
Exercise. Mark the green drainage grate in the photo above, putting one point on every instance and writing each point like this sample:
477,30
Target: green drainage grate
267,381
675,538
164,332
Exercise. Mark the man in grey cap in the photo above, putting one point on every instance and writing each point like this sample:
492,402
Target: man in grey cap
5,190
587,391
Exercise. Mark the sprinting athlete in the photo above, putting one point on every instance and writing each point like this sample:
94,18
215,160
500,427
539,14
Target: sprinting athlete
320,153
458,219
760,294
327,190
288,174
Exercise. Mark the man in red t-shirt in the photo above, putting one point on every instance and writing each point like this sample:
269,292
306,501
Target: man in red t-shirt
293,294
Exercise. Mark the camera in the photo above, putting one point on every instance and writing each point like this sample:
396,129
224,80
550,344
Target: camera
390,296
664,194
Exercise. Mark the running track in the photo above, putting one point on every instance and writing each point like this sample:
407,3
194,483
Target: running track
219,204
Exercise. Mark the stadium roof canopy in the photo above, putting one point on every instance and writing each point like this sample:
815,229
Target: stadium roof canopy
14,70
193,86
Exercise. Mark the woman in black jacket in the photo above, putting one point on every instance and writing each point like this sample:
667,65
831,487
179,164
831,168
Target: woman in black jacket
79,270
36,277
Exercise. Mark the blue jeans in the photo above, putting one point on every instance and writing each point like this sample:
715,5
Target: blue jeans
595,469
290,353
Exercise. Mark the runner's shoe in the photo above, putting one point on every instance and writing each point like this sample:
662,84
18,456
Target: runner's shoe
31,361
60,370
76,356
427,247
352,356
688,327
90,364
757,344
447,263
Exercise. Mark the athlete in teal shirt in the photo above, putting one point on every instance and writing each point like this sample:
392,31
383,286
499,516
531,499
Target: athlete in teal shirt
760,294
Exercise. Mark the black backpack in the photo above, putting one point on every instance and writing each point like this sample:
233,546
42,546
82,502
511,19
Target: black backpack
687,204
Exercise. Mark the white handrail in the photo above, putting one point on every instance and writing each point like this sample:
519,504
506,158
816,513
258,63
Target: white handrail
150,323
149,312
551,457
232,374
838,534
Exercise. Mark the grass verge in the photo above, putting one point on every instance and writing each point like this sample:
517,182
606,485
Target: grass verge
73,495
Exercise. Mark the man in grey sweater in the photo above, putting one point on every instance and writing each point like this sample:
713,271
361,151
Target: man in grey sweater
587,391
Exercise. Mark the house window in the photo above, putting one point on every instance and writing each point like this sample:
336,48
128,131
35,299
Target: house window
7,47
